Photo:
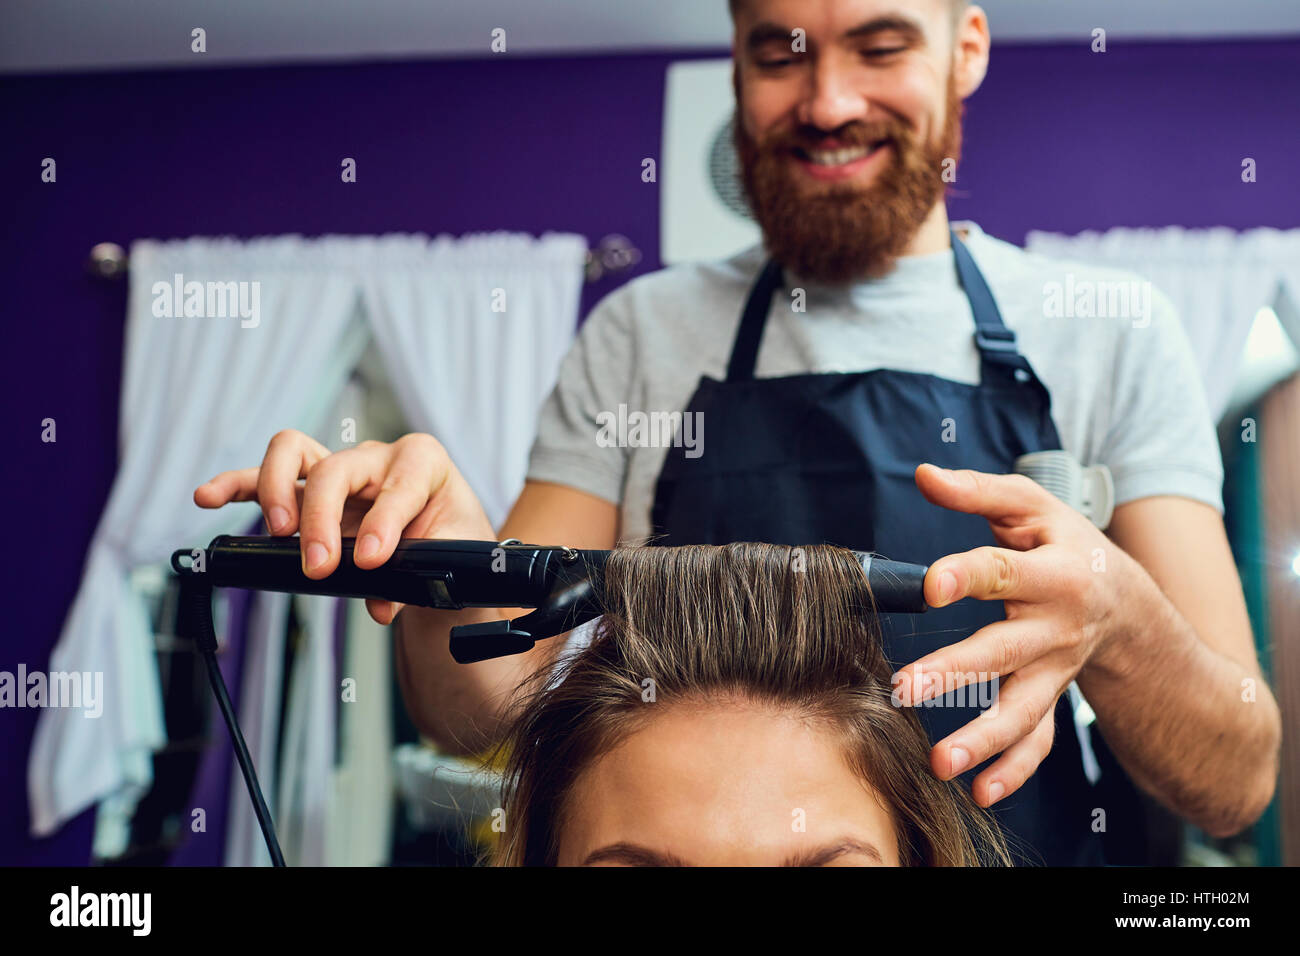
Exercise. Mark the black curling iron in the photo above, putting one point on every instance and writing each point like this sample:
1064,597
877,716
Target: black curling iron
561,584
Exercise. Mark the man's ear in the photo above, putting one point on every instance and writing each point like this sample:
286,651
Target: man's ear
970,53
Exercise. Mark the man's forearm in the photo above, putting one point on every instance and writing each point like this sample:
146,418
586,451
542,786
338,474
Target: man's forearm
1195,729
458,706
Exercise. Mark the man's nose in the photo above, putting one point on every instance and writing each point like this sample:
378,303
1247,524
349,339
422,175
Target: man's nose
832,100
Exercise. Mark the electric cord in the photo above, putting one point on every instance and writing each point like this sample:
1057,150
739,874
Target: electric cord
196,602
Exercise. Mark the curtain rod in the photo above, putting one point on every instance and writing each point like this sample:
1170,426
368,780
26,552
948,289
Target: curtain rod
612,255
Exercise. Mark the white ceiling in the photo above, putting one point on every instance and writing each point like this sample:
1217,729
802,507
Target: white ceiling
62,35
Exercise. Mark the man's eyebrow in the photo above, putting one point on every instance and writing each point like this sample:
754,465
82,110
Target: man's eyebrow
630,854
889,23
834,850
766,31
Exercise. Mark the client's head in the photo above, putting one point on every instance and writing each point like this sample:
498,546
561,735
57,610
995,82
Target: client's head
732,709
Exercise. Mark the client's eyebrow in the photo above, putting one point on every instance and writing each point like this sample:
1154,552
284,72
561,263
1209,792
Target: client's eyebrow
833,851
630,854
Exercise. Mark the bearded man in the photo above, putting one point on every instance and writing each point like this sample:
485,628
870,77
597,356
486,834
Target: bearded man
870,375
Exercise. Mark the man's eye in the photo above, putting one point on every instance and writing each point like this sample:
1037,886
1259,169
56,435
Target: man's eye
883,51
775,64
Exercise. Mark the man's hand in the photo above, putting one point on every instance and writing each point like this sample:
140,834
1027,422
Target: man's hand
1064,584
377,492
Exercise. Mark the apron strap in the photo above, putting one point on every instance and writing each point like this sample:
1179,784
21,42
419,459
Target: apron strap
996,343
744,350
999,356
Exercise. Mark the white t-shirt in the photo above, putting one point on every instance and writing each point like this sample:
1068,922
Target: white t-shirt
1125,390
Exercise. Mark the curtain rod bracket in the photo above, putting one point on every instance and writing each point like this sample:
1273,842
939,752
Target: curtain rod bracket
107,261
612,254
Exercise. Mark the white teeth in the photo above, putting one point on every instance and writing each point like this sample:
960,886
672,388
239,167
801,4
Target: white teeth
838,157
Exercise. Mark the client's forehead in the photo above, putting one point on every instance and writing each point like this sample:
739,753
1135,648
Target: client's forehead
724,783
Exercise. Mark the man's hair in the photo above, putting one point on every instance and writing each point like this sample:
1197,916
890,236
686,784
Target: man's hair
957,6
793,629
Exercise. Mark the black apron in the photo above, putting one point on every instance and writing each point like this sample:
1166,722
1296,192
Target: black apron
829,458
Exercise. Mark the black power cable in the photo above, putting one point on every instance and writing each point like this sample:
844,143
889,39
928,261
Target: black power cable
196,611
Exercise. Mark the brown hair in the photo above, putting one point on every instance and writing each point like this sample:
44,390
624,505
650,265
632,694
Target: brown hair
794,627
956,6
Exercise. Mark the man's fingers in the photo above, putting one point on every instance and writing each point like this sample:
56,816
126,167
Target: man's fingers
329,484
383,611
289,456
240,485
273,484
995,650
1017,764
1022,702
415,470
988,574
997,497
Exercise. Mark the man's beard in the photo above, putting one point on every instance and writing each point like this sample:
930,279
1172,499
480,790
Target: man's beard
836,233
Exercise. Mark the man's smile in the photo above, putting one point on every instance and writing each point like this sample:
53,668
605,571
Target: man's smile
837,163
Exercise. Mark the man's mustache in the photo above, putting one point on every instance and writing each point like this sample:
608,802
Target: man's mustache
848,136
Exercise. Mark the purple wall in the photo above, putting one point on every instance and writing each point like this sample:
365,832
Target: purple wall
1058,138
1063,139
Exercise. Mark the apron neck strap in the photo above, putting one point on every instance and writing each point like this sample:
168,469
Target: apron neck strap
744,351
999,355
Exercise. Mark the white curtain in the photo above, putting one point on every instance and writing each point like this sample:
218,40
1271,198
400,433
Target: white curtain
306,766
199,395
205,394
1218,279
493,315
361,804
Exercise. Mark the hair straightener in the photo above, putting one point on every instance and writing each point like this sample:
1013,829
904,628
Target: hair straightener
562,584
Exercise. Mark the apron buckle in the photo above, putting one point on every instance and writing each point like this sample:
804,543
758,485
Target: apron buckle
995,340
